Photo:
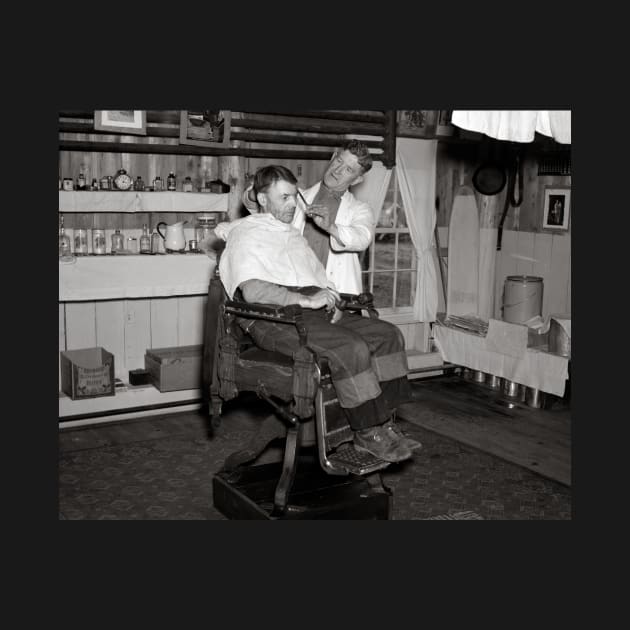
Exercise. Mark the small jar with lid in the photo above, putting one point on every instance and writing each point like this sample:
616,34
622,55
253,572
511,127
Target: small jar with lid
204,227
171,181
157,184
68,183
187,186
138,184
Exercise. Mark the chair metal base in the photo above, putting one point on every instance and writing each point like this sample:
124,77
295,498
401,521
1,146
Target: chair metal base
248,493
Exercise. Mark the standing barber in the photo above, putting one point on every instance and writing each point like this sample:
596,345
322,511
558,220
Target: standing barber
335,224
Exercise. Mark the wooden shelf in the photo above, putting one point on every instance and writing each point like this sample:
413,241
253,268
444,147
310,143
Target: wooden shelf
133,201
90,278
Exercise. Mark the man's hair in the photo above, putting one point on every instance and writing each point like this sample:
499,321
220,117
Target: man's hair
359,149
268,175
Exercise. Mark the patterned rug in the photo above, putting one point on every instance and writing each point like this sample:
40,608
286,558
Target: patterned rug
168,477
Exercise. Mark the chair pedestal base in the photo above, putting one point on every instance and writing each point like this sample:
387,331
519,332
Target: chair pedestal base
248,494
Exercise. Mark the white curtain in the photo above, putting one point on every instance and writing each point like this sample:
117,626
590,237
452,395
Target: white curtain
415,169
516,125
373,188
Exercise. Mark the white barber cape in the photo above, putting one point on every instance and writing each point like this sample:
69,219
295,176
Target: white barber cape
262,248
356,224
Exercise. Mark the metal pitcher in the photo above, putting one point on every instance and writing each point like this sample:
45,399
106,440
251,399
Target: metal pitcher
174,239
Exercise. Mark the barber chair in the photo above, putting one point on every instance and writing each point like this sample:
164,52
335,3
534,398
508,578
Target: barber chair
321,475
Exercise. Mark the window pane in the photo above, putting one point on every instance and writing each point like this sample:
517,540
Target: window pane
384,251
401,217
383,290
404,287
406,254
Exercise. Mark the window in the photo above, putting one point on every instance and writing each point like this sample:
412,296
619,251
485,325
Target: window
390,264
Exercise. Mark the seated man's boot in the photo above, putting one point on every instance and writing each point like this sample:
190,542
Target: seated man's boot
394,429
382,443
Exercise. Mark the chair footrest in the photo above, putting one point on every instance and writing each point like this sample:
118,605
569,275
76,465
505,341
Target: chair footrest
355,462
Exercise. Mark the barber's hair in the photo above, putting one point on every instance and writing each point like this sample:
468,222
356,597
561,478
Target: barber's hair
359,149
268,175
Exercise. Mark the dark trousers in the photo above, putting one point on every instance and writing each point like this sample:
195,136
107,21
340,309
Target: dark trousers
367,360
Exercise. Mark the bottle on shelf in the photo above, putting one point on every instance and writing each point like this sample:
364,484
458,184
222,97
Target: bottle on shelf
64,240
155,242
171,181
118,242
145,240
105,183
94,185
81,183
138,184
98,241
157,184
187,186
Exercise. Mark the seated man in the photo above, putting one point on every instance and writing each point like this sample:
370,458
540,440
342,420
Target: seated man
271,262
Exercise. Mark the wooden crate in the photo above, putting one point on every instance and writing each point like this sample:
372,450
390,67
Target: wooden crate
175,368
87,373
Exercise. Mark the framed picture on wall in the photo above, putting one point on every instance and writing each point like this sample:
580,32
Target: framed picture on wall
130,121
207,128
416,123
556,208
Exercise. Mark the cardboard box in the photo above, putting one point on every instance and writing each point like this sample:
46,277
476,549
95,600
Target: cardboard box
87,373
175,368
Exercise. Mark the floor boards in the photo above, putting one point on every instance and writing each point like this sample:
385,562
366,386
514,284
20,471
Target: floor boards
474,414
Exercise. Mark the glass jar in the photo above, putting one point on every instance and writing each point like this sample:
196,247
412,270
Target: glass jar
68,183
98,241
155,242
187,186
105,183
80,242
171,181
138,184
204,227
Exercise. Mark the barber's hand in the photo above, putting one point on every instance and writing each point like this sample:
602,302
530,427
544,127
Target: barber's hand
320,215
324,297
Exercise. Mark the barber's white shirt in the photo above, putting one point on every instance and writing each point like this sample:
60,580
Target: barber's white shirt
356,225
263,248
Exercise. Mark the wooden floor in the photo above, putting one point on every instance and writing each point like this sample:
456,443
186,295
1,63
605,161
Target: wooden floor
476,415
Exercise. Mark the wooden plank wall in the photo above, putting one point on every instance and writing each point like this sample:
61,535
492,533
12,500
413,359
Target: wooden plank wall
526,248
126,328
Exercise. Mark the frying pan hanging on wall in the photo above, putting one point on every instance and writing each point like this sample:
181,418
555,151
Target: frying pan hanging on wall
490,177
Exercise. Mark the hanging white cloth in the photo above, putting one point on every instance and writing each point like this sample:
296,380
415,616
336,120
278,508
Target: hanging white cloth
373,188
516,125
415,169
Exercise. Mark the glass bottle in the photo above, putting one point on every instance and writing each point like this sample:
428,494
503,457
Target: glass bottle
118,242
94,184
105,183
81,183
138,184
187,185
171,181
145,240
155,242
157,184
98,241
64,239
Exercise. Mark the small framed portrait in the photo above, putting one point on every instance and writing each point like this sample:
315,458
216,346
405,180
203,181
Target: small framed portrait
207,128
130,121
416,123
556,208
